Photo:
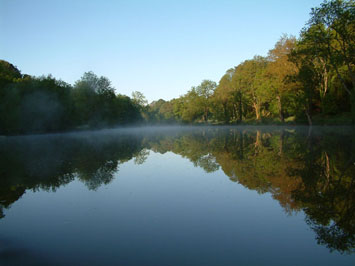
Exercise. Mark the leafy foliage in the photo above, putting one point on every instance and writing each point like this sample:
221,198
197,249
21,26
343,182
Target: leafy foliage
43,104
313,75
300,78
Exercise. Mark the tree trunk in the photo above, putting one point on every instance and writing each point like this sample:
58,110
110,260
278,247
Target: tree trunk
309,118
281,113
241,143
240,109
205,115
325,78
327,166
257,142
234,112
352,103
257,110
309,107
226,117
282,138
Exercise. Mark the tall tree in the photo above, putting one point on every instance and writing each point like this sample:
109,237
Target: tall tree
205,91
224,97
331,34
139,99
249,78
280,69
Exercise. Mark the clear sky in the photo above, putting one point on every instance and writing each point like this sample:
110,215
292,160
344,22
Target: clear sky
160,48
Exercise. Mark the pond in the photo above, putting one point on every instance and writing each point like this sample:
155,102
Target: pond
179,196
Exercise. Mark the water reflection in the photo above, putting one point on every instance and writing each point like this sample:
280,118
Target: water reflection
309,171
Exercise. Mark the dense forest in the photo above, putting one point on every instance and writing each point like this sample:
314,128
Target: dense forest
43,104
309,79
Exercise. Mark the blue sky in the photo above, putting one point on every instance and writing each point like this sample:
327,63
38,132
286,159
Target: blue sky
160,48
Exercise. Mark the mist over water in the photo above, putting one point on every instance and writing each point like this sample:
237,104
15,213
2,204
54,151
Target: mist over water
179,196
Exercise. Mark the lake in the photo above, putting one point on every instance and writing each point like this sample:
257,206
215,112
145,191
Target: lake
179,196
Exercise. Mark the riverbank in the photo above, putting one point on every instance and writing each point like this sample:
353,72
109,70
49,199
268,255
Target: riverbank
317,120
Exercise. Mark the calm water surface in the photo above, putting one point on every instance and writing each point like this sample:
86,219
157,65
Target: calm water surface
179,196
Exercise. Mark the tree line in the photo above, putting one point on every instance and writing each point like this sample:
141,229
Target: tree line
300,78
44,104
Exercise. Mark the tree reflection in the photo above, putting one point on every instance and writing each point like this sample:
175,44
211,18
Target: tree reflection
309,171
313,172
327,191
141,156
48,162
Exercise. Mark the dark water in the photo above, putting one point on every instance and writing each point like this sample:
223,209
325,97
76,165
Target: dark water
179,196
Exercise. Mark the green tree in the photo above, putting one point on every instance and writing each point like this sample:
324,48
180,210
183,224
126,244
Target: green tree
190,110
139,99
204,93
249,78
94,100
141,102
279,71
330,35
224,98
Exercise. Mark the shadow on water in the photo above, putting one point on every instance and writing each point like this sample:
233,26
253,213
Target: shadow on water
13,254
310,171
